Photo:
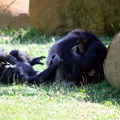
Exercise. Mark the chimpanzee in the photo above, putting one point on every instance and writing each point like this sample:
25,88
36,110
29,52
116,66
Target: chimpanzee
83,55
63,48
22,72
88,59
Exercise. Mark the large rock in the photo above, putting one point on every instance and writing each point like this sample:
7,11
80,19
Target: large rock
112,62
14,13
61,16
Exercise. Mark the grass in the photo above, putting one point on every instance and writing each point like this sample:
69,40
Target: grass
57,101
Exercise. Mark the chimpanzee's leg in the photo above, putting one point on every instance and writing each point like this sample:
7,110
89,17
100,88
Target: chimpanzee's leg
79,77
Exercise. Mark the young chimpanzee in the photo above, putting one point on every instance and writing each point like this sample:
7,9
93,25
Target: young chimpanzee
88,59
21,72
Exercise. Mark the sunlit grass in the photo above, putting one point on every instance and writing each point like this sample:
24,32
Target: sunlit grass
51,102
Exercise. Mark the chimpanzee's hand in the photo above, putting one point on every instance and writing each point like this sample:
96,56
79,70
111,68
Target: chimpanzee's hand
37,60
77,50
74,49
91,72
42,57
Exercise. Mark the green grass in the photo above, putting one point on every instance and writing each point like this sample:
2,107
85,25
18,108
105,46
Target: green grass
57,101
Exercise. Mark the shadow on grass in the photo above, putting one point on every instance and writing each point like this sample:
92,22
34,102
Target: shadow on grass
102,93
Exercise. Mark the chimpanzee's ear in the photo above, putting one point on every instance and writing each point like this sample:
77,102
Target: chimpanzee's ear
84,39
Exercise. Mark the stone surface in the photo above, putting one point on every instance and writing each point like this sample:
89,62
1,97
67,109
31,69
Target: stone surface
14,13
112,62
62,16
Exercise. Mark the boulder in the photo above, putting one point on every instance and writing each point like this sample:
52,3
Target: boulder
59,17
14,14
112,62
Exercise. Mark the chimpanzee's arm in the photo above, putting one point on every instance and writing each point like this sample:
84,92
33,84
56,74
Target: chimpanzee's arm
48,74
87,60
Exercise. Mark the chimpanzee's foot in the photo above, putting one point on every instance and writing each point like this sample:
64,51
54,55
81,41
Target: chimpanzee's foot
37,60
56,60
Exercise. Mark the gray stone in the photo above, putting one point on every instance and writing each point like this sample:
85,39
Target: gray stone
112,62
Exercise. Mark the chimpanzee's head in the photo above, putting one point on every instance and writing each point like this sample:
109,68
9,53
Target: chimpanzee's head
83,44
85,39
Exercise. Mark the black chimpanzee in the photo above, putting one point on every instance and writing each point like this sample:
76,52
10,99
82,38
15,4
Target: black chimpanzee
83,55
63,48
88,59
22,72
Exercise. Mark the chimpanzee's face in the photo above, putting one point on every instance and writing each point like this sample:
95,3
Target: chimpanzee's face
83,44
